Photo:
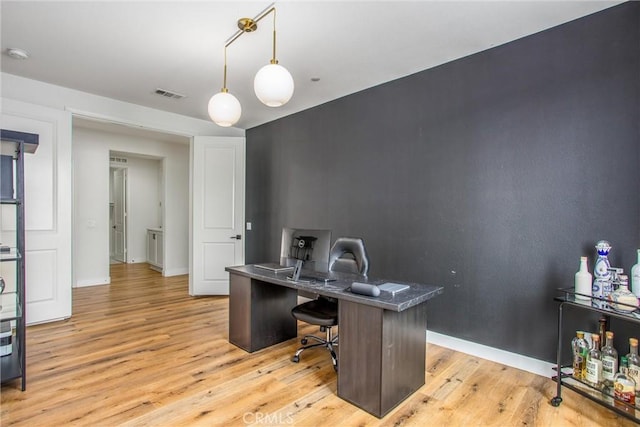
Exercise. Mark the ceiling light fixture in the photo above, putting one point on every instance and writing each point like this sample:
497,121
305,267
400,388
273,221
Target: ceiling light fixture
272,84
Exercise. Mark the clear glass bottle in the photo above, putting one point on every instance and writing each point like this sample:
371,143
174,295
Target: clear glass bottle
623,385
609,360
593,375
635,277
634,363
580,348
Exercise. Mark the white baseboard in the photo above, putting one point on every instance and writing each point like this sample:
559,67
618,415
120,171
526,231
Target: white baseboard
514,360
93,282
175,272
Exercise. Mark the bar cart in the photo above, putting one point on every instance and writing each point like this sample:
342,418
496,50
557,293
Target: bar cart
603,396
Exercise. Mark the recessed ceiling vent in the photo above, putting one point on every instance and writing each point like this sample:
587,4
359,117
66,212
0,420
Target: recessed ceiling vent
118,160
168,94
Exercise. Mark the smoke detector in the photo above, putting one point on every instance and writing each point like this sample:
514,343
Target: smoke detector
16,53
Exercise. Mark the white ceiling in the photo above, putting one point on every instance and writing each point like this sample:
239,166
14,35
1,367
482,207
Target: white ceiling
125,50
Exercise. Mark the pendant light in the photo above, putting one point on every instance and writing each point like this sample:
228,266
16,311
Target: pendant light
224,108
272,84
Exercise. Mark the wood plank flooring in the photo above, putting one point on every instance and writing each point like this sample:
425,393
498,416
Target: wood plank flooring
142,352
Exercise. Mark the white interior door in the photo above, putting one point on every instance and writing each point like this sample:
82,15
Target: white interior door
217,238
120,214
48,209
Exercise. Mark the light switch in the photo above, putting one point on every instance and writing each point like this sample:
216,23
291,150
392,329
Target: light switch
248,226
91,223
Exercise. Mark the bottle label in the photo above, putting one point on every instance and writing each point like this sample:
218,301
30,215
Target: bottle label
623,390
594,371
578,366
634,373
609,368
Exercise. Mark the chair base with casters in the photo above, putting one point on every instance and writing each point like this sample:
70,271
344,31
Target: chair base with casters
347,255
321,312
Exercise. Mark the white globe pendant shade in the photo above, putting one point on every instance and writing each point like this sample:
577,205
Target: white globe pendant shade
224,109
273,85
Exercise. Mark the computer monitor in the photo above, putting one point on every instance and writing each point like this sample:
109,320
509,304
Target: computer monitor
310,246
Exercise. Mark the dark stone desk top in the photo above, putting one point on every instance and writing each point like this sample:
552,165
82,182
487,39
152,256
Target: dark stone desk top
339,289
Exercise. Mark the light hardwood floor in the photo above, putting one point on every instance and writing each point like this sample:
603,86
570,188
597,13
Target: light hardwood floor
143,352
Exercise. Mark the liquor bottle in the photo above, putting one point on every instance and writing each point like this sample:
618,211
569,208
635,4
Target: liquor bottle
601,274
603,323
634,363
624,386
583,281
635,277
593,374
609,360
580,348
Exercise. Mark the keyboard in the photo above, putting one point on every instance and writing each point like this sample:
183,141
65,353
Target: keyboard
314,277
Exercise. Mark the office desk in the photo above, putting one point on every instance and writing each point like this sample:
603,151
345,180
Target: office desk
381,351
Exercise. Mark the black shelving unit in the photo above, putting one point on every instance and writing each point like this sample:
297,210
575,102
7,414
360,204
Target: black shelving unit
603,396
12,302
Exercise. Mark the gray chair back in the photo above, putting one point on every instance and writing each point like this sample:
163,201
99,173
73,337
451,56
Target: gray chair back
348,255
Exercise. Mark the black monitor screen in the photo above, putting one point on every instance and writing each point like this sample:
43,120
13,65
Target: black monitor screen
310,246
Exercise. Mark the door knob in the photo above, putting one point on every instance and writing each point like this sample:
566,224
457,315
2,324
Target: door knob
237,237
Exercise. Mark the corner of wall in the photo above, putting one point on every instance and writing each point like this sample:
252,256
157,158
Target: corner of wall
514,360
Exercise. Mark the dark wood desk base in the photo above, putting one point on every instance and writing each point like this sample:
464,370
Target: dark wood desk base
381,359
260,313
381,352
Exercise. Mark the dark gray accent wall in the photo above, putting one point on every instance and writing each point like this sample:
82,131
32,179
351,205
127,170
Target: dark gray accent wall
490,175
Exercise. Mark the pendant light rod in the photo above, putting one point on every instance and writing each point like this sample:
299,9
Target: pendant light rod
274,60
224,79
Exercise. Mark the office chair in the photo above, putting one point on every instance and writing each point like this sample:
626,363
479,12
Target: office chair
347,255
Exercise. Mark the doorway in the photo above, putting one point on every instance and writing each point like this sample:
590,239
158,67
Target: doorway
136,189
117,214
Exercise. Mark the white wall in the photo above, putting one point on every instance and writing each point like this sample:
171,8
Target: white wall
91,149
90,198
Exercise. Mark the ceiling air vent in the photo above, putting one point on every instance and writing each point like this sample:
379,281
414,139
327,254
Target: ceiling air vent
168,94
118,160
